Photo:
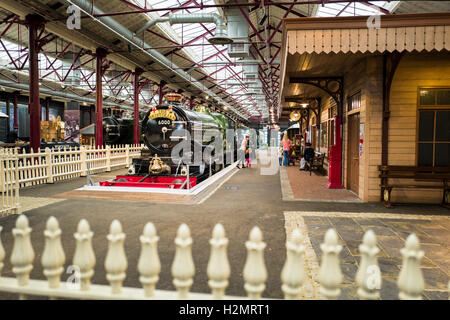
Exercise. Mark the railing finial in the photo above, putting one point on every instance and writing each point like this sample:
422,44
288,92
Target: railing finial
218,266
293,273
330,274
183,268
53,257
23,254
410,280
149,265
368,276
116,261
84,256
255,272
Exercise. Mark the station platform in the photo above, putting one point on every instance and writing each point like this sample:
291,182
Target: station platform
243,201
301,185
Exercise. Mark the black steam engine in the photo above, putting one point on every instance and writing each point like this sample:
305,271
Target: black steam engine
175,137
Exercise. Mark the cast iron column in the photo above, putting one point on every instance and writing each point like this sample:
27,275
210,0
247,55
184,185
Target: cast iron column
160,92
100,54
15,120
47,108
34,22
137,73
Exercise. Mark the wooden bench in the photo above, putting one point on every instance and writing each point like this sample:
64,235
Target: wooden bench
317,162
415,174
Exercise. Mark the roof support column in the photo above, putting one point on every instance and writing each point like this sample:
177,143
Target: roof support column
47,108
100,55
161,92
15,120
136,90
34,22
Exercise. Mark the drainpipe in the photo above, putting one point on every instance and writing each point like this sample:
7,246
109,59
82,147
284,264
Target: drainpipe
89,9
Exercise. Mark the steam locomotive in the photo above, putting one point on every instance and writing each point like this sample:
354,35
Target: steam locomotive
167,125
162,129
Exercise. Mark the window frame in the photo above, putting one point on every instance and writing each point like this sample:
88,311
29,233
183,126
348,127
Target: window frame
435,108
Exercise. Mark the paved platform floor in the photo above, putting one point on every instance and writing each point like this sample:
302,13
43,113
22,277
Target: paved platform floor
245,200
313,187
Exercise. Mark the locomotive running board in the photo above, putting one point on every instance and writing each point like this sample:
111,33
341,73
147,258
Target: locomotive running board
224,173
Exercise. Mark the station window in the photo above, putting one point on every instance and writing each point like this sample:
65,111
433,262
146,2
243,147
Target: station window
434,127
354,101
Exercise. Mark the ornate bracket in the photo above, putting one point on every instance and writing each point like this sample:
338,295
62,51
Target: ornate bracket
334,86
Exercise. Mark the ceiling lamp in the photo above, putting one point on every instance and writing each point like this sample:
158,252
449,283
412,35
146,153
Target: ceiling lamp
294,116
304,105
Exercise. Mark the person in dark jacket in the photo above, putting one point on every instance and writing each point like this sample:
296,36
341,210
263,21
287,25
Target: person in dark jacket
12,136
308,155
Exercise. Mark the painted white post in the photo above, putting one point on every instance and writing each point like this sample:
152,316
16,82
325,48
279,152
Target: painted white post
2,252
255,273
83,159
149,265
49,165
368,276
116,262
218,266
293,273
127,156
183,268
410,280
22,255
53,257
84,256
330,275
18,209
2,173
108,158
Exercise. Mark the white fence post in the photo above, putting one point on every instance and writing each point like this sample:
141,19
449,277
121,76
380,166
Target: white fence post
84,256
255,273
2,252
116,262
410,280
368,276
330,274
2,173
183,268
127,156
53,257
49,165
22,255
218,266
293,273
108,158
83,160
149,265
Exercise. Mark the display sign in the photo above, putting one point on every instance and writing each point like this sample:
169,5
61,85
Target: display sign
162,113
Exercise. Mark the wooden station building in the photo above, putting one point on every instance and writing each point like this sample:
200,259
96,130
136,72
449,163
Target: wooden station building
376,92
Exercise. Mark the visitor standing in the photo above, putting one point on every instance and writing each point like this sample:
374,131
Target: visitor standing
286,144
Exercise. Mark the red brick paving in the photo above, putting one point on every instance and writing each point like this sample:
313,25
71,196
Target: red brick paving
314,187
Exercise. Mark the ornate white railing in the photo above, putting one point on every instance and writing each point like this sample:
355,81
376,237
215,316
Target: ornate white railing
9,202
60,164
293,275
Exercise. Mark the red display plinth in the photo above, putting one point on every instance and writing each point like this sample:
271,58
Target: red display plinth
335,158
150,182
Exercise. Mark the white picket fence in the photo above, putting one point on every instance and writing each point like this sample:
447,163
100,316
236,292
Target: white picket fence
60,164
9,180
293,275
